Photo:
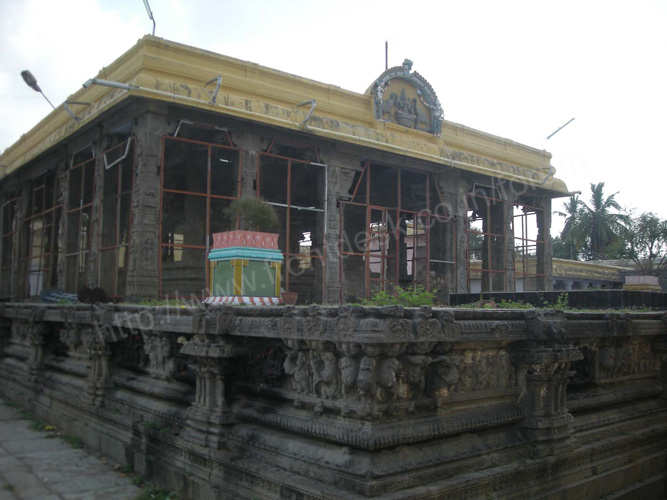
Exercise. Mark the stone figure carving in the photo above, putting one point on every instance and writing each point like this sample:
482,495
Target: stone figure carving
365,378
443,375
413,376
296,365
71,337
324,366
404,110
159,350
349,371
423,121
388,105
387,372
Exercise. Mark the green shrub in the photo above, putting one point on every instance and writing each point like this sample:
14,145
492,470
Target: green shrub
255,214
513,304
407,297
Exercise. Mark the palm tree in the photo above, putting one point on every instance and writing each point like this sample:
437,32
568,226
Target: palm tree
598,224
572,214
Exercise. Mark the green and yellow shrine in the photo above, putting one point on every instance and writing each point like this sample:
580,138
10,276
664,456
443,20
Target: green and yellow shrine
245,267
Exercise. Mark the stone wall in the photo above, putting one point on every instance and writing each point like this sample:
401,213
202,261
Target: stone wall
352,402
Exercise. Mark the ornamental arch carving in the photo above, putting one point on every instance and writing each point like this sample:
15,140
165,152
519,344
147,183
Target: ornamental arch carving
404,97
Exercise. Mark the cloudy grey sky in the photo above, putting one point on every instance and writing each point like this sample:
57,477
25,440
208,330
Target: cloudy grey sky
515,69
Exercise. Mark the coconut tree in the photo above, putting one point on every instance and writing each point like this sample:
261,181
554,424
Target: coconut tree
572,214
600,223
646,238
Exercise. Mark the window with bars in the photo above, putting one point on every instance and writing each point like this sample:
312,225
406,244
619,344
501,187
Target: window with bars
396,231
295,186
7,235
199,181
528,247
485,224
40,230
81,189
116,219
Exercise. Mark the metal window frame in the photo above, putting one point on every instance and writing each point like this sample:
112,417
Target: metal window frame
85,252
287,254
115,248
366,176
28,222
8,235
490,244
524,243
207,195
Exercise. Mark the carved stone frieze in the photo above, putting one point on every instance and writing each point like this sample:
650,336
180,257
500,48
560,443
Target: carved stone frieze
424,398
370,379
216,322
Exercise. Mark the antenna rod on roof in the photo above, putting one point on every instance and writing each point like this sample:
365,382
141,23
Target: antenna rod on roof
150,14
559,128
386,55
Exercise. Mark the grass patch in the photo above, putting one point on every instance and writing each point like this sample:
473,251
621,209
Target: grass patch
153,493
408,297
37,425
9,487
73,441
513,304
157,427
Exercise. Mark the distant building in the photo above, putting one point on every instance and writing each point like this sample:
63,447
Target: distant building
372,189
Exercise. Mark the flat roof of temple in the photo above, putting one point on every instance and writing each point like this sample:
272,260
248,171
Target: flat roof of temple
172,72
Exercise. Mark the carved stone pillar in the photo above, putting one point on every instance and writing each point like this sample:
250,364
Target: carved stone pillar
660,347
37,339
99,376
210,416
90,346
544,252
543,372
144,254
5,330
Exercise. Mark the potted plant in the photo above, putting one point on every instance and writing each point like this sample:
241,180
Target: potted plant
255,214
245,263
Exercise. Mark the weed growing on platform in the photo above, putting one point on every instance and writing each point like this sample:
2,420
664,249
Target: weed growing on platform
513,304
73,441
406,297
37,425
153,493
157,427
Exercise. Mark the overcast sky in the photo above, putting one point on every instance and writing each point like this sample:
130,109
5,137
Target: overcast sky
515,69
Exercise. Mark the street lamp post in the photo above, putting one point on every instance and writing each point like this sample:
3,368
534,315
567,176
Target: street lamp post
31,81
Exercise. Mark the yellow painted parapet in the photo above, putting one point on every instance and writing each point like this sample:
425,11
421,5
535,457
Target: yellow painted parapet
590,270
563,268
172,72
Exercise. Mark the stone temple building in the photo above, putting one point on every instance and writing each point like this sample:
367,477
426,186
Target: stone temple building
122,186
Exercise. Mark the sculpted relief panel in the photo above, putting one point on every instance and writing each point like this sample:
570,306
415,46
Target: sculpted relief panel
405,97
392,372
